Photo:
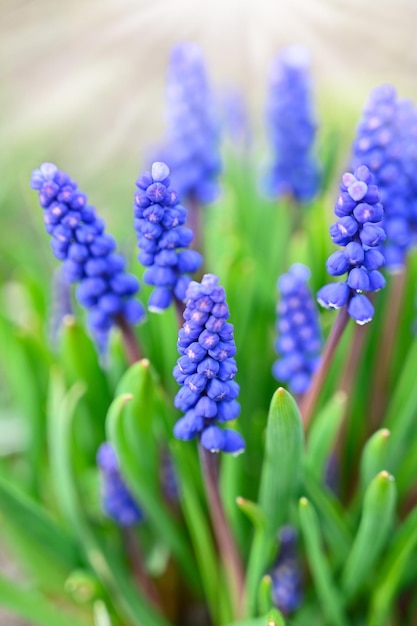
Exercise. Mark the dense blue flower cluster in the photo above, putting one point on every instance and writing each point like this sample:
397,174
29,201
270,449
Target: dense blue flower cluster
379,146
79,240
287,582
299,335
291,127
407,218
359,230
163,238
192,143
206,369
117,500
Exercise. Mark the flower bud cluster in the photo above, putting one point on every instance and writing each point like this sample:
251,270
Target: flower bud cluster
292,127
192,144
206,370
379,146
359,230
87,252
117,501
299,335
163,238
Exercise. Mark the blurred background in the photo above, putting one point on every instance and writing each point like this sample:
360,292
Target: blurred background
83,82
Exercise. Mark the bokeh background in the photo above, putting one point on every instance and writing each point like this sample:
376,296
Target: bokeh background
83,81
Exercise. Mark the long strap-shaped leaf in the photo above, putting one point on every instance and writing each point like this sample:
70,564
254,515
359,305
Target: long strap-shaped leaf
143,489
51,553
107,566
327,592
376,522
392,570
279,480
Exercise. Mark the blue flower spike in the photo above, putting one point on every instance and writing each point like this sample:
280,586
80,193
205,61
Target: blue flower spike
379,145
192,147
291,127
163,238
299,336
88,253
206,370
359,230
117,501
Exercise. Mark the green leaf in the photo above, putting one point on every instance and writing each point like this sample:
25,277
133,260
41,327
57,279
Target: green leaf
392,570
374,456
275,618
280,477
47,551
25,366
33,607
401,411
336,526
139,416
101,614
281,470
374,529
252,511
81,364
109,567
327,592
142,484
322,436
83,587
265,594
201,535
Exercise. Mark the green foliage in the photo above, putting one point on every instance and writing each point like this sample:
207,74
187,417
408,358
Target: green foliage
357,540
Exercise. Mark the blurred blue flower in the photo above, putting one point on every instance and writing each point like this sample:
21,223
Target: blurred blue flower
287,581
169,479
162,238
291,127
235,119
359,229
299,336
379,145
87,252
206,370
191,148
117,501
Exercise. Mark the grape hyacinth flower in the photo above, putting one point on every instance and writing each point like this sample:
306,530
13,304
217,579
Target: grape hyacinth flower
87,252
299,341
379,146
287,582
206,370
360,232
163,239
192,144
292,127
117,501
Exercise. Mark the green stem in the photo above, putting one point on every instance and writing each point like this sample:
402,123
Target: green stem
380,387
225,540
137,565
309,400
130,341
